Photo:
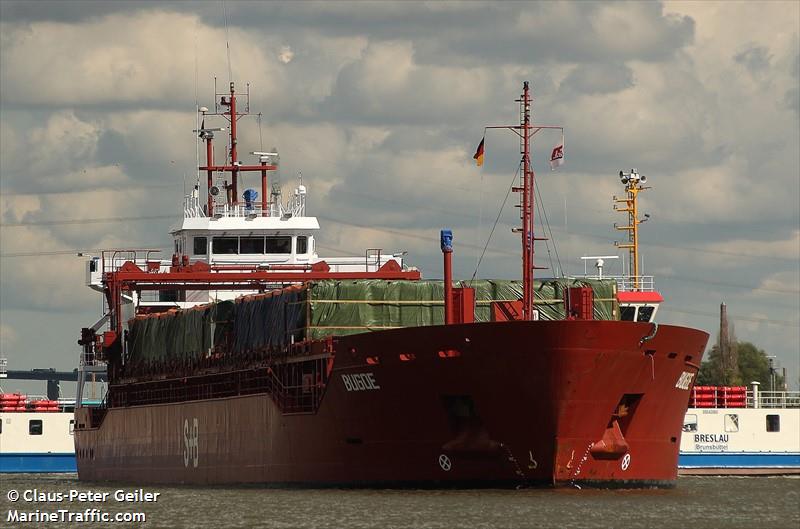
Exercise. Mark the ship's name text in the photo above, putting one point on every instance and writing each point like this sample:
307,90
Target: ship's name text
710,438
360,382
685,380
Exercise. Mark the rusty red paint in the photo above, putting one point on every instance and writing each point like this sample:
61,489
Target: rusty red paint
561,385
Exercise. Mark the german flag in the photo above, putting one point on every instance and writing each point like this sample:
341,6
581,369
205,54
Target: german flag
478,156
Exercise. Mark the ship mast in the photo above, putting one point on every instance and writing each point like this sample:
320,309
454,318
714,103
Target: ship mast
633,185
526,130
227,107
527,205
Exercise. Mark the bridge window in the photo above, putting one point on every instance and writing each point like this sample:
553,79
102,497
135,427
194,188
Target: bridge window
35,427
302,244
200,246
225,245
279,245
645,313
627,313
251,245
773,423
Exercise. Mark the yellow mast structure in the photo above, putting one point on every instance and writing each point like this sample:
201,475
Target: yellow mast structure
633,185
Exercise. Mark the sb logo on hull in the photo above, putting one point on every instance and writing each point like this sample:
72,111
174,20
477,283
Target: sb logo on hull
191,443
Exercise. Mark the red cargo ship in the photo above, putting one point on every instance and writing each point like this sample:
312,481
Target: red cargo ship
388,380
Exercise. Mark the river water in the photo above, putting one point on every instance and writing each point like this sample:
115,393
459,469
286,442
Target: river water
697,502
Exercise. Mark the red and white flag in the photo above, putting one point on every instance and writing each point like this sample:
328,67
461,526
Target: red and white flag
557,156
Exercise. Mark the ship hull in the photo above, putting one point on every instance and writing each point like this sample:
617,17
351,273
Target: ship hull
484,404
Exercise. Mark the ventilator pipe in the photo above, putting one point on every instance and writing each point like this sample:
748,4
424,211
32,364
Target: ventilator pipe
756,398
264,211
447,251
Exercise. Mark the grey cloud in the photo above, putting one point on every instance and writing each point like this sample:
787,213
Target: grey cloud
384,19
443,33
461,33
597,79
756,59
792,96
111,148
25,11
430,95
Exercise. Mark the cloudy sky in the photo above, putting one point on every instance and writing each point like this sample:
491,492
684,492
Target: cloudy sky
381,105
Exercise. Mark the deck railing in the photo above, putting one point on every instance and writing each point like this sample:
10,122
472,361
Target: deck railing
295,386
740,397
774,399
192,207
112,260
630,283
238,210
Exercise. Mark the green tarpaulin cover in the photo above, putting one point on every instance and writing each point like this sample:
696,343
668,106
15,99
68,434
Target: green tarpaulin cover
333,308
348,307
179,334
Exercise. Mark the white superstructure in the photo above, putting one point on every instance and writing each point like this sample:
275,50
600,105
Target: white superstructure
239,236
762,437
38,441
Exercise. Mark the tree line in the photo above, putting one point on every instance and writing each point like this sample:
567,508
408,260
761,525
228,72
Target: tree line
752,364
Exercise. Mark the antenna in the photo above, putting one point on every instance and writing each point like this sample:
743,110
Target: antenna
260,134
196,107
227,43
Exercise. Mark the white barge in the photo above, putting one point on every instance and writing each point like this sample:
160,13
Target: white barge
739,430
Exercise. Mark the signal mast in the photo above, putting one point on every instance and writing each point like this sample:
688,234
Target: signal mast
226,107
633,185
526,130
